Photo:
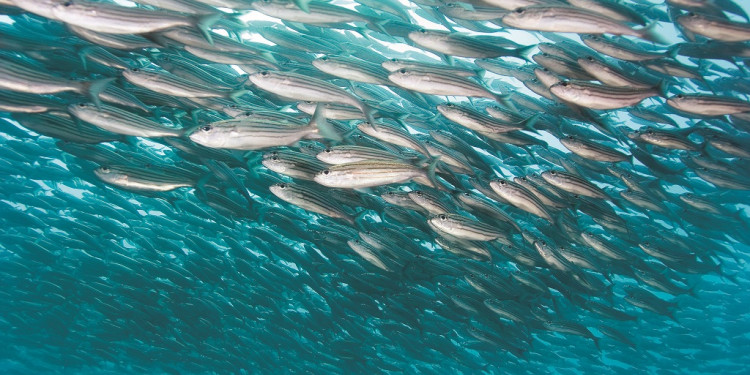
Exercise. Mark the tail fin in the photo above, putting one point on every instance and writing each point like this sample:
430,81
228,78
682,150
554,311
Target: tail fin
204,23
235,95
525,53
325,129
93,88
649,33
431,172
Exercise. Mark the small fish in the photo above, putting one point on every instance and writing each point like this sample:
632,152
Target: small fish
570,20
597,96
300,87
147,178
310,199
120,121
366,174
465,228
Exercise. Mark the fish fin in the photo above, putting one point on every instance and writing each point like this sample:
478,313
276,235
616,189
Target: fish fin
235,95
204,23
431,172
303,4
94,88
662,87
505,101
82,54
649,33
449,60
369,114
531,121
525,53
324,128
378,25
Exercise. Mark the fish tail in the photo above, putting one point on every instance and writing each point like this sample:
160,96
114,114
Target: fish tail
322,125
303,4
369,114
82,54
525,53
531,121
431,172
235,95
662,87
650,33
93,88
204,23
505,101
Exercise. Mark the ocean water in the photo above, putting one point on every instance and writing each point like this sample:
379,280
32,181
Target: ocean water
224,277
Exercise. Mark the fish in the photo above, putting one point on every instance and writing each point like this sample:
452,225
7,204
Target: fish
299,87
311,200
596,96
364,174
248,134
148,178
569,19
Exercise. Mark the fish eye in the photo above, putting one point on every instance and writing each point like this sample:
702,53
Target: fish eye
543,243
423,31
647,244
233,106
564,83
67,3
691,14
264,73
520,10
680,96
571,137
328,151
324,58
81,105
442,217
248,113
274,158
402,71
467,194
104,169
394,60
502,182
206,128
136,70
418,193
554,173
282,186
326,172
590,58
650,132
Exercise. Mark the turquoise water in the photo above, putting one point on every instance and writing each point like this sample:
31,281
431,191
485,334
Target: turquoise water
227,279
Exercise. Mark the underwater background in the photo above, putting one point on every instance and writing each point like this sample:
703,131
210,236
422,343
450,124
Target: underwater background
207,267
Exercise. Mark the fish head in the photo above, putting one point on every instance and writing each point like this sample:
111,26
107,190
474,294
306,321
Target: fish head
280,190
522,17
79,108
408,78
267,80
111,175
424,36
274,162
565,91
392,64
210,136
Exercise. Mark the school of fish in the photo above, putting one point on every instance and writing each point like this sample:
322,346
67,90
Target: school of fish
421,186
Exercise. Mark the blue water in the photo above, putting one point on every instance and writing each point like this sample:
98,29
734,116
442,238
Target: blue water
97,279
